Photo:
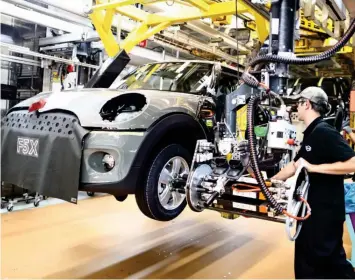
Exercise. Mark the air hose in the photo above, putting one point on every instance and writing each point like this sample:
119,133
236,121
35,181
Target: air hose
253,154
307,60
250,80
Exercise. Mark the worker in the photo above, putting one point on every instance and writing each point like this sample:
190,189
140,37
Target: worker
319,251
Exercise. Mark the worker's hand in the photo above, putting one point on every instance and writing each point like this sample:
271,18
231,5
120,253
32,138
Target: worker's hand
347,129
276,182
310,167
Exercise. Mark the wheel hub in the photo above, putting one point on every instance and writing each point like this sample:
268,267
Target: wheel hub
170,177
194,199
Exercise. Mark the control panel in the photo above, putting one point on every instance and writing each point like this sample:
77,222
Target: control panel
281,135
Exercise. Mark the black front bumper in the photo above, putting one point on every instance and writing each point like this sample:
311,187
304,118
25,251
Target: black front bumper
123,187
42,153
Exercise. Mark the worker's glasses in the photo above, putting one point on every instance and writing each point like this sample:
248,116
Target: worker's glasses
301,102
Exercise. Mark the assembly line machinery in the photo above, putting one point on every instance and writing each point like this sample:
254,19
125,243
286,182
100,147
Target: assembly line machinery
219,180
225,174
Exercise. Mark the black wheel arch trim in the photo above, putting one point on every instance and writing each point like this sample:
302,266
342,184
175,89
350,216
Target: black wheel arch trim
160,128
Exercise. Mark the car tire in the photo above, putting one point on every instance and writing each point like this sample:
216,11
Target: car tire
153,198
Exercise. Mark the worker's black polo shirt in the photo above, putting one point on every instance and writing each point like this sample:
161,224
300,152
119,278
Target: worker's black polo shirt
321,144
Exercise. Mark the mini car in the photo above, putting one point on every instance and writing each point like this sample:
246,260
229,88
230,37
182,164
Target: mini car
137,137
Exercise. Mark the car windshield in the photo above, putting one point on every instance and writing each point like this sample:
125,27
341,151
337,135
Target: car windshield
187,77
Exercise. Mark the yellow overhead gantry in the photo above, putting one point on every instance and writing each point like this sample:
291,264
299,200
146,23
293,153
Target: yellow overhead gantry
318,30
102,14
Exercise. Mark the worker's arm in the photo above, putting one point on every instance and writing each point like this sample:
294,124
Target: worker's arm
350,132
336,168
352,137
339,155
288,171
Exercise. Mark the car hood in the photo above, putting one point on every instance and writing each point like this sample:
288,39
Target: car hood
95,108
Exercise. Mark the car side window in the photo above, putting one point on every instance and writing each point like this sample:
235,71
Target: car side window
228,82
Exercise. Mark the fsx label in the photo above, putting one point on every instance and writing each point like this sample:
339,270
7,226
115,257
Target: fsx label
27,146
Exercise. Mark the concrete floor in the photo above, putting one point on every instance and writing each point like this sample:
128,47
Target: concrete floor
102,238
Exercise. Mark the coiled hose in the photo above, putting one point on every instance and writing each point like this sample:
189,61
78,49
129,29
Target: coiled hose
307,60
254,164
250,80
253,154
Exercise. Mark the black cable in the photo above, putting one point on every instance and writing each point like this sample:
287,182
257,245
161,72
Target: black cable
308,60
253,82
250,80
253,155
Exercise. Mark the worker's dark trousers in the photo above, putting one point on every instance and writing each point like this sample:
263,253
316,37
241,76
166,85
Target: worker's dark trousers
319,251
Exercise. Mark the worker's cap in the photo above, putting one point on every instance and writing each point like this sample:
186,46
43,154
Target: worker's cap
315,94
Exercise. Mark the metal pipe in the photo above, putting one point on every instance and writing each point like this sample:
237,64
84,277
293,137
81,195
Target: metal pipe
286,28
287,25
22,50
275,23
87,36
67,9
20,60
71,37
85,22
43,20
